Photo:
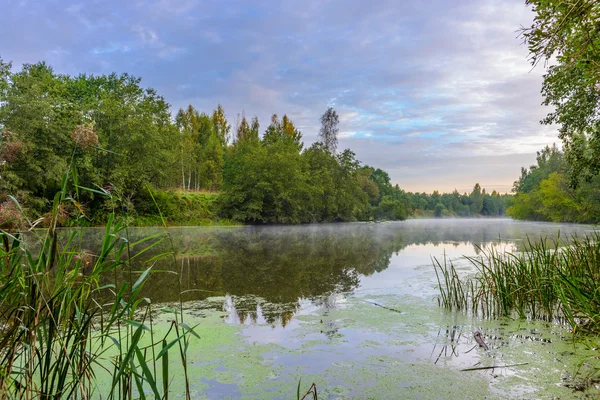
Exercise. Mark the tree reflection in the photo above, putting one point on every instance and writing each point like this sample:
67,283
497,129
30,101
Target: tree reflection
266,271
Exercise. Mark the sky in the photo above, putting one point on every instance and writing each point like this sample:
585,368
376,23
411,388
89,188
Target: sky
438,93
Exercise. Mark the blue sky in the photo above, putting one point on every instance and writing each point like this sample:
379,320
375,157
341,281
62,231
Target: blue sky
438,93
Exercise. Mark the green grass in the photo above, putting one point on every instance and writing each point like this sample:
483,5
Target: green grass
549,281
68,317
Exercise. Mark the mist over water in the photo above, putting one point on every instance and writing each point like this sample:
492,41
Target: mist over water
281,265
350,306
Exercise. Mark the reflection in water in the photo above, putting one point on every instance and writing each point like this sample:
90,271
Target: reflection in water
351,307
450,346
266,271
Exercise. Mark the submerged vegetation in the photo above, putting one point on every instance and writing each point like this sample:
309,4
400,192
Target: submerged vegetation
547,281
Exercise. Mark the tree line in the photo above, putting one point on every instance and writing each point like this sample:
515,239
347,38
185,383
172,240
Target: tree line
478,202
545,192
125,149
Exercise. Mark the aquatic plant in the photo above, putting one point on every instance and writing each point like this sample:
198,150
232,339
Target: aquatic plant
69,317
557,281
312,392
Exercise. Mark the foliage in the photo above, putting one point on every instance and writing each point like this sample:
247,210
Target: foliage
545,193
264,182
567,31
439,210
122,135
176,207
559,282
478,202
68,315
123,142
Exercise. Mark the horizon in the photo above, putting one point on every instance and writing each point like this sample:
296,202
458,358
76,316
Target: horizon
439,96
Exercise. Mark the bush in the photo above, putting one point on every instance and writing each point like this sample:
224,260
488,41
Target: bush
177,208
11,218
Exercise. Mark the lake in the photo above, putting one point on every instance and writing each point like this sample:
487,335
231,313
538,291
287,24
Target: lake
354,309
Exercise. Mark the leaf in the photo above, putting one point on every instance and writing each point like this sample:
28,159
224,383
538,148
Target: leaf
188,329
136,324
166,348
165,369
147,373
141,279
116,342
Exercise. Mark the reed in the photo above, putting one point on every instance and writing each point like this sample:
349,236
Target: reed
555,281
67,317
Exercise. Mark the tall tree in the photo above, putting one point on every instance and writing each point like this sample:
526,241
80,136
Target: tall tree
282,131
118,134
254,129
222,127
476,199
188,124
242,129
211,166
569,31
329,130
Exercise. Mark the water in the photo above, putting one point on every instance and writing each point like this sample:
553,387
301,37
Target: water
354,309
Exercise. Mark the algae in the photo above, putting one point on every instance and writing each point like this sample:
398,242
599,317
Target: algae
353,308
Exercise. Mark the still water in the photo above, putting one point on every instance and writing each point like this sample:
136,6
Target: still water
354,309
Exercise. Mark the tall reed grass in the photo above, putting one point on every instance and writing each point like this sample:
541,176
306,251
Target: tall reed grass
68,317
558,281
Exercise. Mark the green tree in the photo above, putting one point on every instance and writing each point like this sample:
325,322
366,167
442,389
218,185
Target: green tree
188,124
559,203
38,115
221,127
390,209
282,131
568,30
265,184
118,135
212,163
242,130
476,198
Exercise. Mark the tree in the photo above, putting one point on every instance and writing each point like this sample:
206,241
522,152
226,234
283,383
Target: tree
266,183
491,205
329,130
476,197
188,124
558,200
569,31
549,160
4,78
222,128
290,131
282,131
242,130
254,130
211,166
118,135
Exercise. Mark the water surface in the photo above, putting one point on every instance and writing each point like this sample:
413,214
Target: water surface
354,308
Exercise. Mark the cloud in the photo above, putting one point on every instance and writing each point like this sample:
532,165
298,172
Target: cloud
416,84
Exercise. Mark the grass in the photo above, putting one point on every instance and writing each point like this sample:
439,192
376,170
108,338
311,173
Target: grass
551,281
75,325
67,317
